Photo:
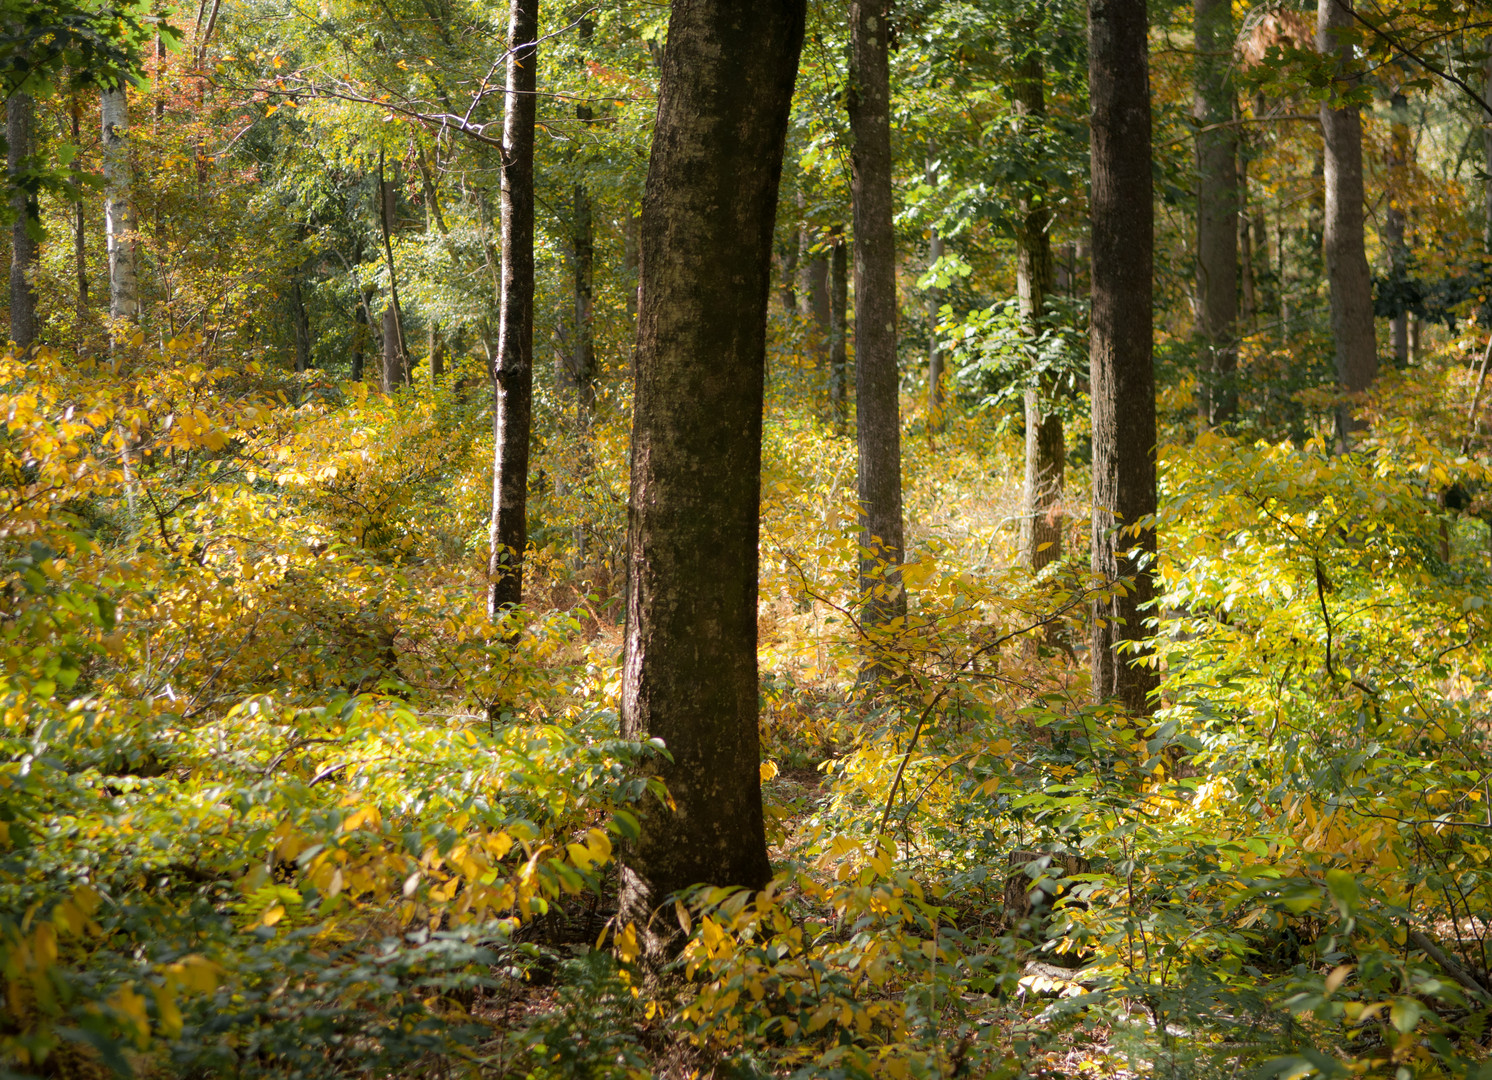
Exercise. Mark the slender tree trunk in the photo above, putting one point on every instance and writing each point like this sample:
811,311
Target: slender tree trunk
629,261
1217,212
302,325
361,333
1046,452
1393,226
877,390
1346,258
583,358
20,128
839,302
935,399
119,214
1122,375
395,355
80,235
513,374
1487,145
690,668
790,278
820,306
434,222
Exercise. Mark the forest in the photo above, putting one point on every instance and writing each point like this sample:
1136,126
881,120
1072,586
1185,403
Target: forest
732,539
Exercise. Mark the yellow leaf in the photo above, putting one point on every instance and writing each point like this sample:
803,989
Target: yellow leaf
626,944
272,915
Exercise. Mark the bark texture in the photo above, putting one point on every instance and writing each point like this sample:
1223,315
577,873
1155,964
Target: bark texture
20,128
513,369
690,674
877,394
1342,226
1217,212
1121,375
119,214
1046,452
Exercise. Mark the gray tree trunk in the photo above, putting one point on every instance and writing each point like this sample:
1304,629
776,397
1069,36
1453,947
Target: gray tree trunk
513,371
1046,452
936,402
1342,228
1217,212
877,389
20,128
395,356
1121,375
119,214
690,666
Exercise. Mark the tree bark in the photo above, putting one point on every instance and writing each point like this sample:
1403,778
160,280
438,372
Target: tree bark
1217,212
513,372
395,355
819,295
20,127
119,214
690,668
1346,259
1046,452
877,390
839,302
583,355
1394,225
1121,374
936,402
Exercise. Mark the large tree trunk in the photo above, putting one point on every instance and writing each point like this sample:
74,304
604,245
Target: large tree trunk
1217,212
935,398
1046,452
1122,375
1393,225
513,372
20,127
395,355
690,674
1346,259
119,214
877,390
839,303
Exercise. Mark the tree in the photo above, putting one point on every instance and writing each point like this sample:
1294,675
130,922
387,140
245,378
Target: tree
1121,375
1041,513
1346,258
1396,196
20,122
119,215
513,372
690,668
839,302
395,355
1217,212
935,391
877,394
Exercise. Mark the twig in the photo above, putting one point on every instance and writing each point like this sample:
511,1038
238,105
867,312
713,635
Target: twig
1453,969
1476,398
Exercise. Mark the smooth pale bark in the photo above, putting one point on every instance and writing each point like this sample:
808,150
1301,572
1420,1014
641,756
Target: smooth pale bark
935,400
1046,451
1217,212
690,665
119,214
877,391
839,303
1342,226
1121,373
513,369
1394,222
395,371
20,128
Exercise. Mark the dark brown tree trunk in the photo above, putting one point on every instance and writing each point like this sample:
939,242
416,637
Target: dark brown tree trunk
820,305
877,390
839,302
361,335
1217,213
395,355
1122,375
1487,144
1393,223
302,327
1046,451
513,372
20,128
1248,285
1346,259
690,668
583,356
